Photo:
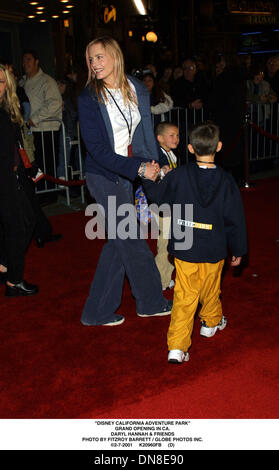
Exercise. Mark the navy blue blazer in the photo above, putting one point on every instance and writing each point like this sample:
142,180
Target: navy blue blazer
97,134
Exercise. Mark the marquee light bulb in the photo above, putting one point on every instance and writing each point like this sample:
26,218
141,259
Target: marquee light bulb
140,7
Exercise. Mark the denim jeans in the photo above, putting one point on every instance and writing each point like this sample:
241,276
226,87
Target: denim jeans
119,257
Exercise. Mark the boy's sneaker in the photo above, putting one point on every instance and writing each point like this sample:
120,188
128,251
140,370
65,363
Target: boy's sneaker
210,331
170,286
176,356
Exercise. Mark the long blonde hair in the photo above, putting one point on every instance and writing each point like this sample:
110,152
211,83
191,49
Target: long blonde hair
10,100
113,48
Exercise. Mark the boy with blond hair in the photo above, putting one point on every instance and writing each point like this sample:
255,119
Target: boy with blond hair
167,135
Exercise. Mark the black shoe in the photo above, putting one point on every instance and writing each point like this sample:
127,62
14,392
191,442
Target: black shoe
22,288
53,238
165,311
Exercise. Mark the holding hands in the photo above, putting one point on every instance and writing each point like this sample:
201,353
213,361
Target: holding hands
149,170
152,170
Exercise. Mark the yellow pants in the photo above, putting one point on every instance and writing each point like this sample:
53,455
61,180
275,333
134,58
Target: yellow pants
194,283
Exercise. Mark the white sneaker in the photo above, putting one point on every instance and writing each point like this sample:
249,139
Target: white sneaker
210,331
170,286
176,356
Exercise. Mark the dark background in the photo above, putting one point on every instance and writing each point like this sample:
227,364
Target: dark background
203,28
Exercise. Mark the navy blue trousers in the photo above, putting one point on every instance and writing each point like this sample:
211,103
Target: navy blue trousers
131,257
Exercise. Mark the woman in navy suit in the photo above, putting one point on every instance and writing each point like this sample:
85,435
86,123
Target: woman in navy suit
115,122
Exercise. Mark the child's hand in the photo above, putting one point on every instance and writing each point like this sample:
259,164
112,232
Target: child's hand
166,169
236,260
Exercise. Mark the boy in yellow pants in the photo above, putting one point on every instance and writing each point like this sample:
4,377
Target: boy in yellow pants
207,219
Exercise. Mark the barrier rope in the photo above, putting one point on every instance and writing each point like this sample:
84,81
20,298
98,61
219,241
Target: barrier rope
234,142
261,131
63,182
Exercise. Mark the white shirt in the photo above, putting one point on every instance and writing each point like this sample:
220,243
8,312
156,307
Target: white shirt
118,123
171,158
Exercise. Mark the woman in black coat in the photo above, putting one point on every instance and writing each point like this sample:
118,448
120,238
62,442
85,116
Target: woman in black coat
16,214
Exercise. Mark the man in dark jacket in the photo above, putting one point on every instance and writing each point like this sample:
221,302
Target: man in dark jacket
190,91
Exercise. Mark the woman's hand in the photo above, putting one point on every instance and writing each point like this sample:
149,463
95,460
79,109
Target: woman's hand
149,170
152,170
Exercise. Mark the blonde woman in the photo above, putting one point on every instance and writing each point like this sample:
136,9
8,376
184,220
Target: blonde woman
115,122
16,215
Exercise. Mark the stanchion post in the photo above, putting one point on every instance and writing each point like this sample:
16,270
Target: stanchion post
246,148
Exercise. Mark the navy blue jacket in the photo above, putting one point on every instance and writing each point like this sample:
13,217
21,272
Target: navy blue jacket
163,159
97,134
218,212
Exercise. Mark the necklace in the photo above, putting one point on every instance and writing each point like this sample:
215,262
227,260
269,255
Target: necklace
129,126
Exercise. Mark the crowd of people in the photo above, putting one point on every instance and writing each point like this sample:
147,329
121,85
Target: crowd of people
222,91
192,84
124,146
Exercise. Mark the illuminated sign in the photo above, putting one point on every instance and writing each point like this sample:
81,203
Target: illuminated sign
257,19
109,14
251,6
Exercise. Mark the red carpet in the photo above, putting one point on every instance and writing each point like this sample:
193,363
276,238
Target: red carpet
54,367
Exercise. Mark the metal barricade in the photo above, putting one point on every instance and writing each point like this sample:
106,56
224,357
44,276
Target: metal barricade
261,146
266,118
79,172
49,163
